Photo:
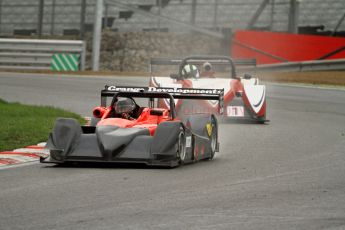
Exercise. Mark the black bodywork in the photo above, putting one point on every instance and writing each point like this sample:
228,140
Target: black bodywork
176,141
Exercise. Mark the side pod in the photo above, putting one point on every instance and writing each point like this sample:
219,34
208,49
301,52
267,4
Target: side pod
165,138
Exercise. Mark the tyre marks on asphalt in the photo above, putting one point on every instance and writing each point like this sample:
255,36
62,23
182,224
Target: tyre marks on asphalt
23,155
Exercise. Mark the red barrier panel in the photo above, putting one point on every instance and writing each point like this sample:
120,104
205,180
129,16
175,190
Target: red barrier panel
271,47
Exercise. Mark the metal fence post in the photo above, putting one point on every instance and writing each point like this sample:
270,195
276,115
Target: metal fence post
193,13
272,14
40,17
52,23
0,16
105,19
159,13
293,16
82,18
97,35
215,17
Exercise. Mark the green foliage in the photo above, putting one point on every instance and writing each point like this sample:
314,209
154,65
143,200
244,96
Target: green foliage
23,125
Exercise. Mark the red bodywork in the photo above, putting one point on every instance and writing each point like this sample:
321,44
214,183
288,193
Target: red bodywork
236,90
145,120
235,85
243,97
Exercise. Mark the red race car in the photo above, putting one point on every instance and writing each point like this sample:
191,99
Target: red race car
244,97
125,131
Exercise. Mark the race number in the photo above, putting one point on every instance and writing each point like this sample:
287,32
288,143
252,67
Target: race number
235,111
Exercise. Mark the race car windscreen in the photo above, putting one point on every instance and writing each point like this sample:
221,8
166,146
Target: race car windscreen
125,105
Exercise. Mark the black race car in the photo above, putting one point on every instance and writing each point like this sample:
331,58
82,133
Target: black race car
124,131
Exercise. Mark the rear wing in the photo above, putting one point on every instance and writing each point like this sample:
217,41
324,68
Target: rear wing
201,60
164,92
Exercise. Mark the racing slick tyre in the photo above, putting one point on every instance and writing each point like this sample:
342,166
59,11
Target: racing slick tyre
213,138
181,147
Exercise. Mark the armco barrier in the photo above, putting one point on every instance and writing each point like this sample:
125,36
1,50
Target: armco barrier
325,65
36,54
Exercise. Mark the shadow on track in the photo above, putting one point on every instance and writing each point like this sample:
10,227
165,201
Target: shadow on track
119,165
105,165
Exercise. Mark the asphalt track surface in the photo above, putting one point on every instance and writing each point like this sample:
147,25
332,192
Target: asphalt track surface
288,174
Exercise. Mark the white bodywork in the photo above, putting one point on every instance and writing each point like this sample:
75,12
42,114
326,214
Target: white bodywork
256,96
254,92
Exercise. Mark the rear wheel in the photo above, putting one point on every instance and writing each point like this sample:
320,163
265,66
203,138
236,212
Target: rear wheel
181,147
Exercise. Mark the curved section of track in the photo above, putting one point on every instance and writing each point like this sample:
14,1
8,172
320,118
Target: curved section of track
285,175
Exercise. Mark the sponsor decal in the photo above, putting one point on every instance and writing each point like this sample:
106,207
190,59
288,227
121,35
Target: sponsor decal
125,89
209,129
164,90
235,111
188,142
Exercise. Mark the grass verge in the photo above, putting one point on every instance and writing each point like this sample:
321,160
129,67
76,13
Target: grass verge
23,125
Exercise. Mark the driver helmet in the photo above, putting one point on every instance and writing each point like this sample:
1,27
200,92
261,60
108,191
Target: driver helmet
207,66
190,71
125,105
